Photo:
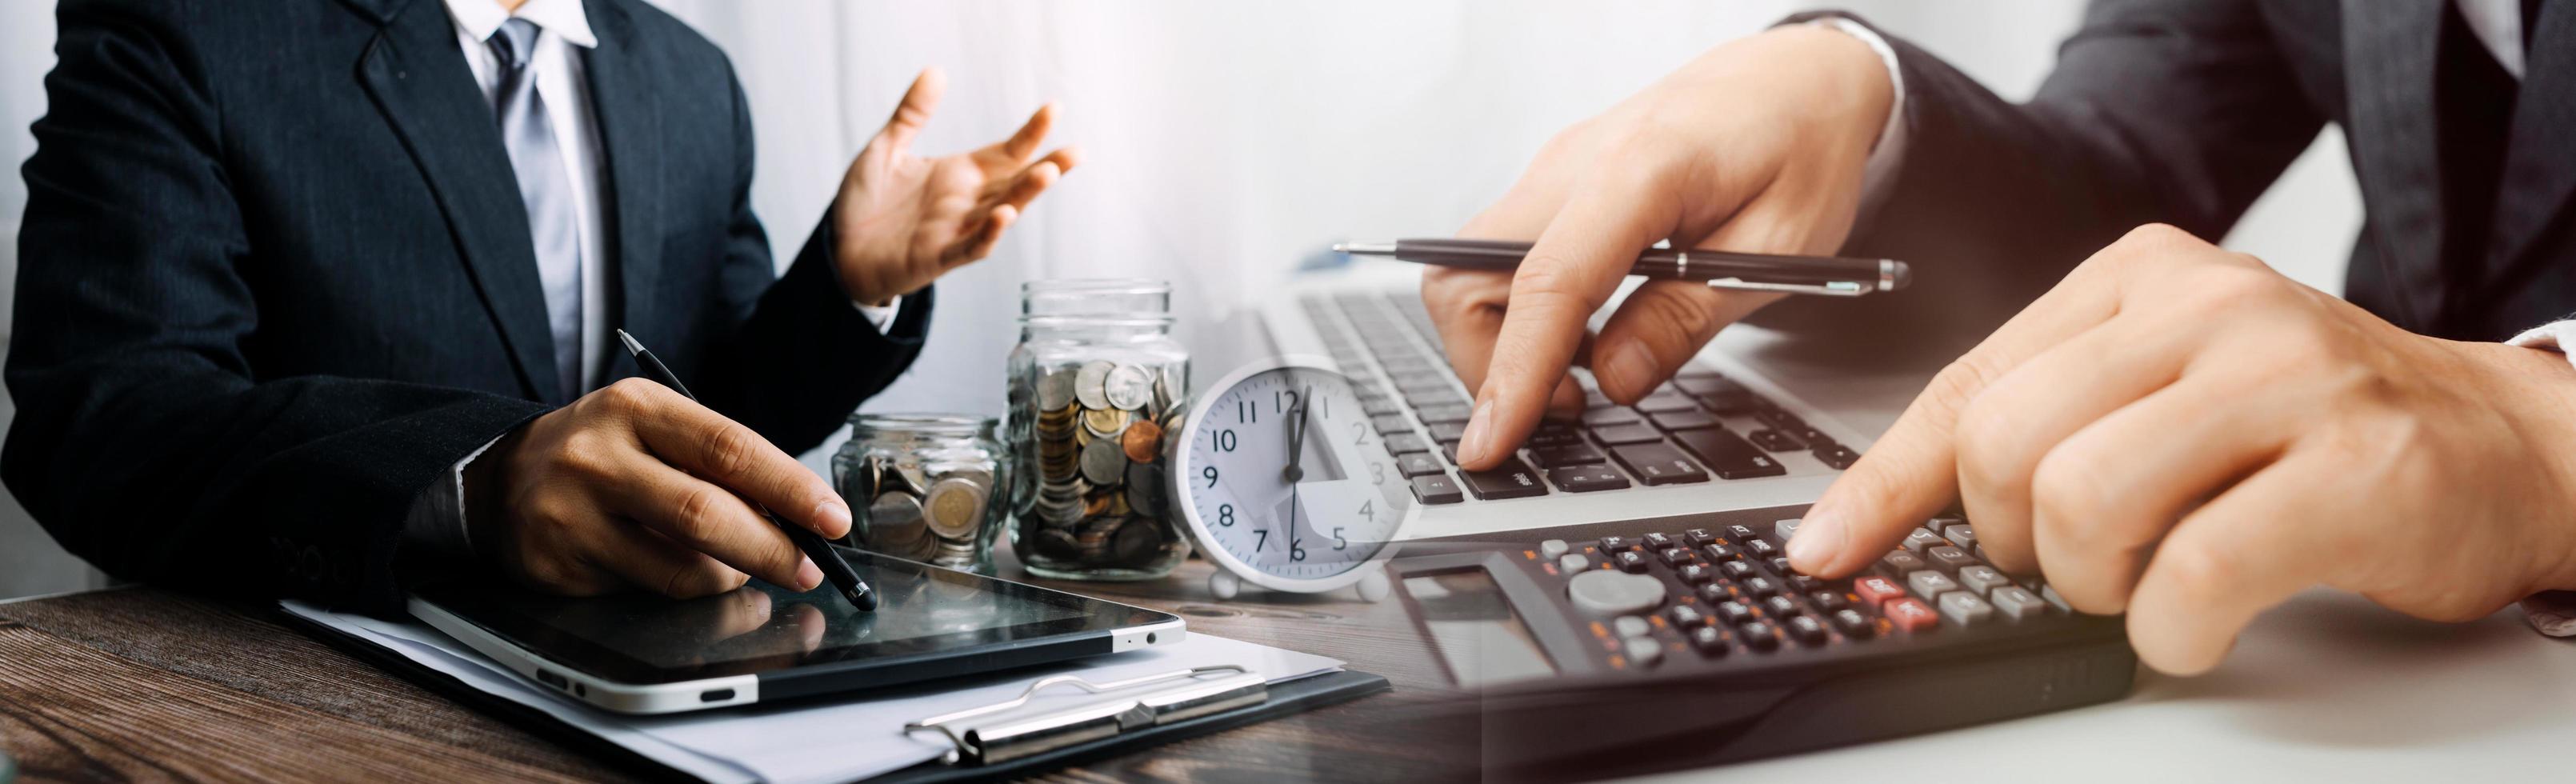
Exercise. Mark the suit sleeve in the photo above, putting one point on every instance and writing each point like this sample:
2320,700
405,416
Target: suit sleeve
802,358
2177,112
143,441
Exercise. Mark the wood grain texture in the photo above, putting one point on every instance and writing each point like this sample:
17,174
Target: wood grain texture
144,684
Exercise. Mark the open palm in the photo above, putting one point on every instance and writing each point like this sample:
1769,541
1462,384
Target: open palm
902,220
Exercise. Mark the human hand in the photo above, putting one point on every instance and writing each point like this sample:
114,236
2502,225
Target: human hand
636,484
1756,146
2184,434
903,220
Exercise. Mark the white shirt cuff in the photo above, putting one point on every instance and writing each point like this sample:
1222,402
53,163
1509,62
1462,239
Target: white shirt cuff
1878,175
2555,336
436,523
2551,612
880,315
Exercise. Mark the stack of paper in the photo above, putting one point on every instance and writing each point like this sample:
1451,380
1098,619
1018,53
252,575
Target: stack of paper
816,742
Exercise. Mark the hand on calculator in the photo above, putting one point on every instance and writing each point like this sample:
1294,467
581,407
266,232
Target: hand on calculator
1756,146
2183,434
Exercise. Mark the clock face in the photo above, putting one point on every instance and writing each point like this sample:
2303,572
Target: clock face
1283,477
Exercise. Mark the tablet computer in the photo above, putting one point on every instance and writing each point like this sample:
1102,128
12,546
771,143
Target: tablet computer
642,653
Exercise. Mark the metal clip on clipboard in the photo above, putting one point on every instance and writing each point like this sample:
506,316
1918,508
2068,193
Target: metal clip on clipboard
1012,737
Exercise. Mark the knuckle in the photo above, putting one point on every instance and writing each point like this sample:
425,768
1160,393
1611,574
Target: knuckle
731,451
697,518
1689,311
1955,387
629,395
2067,491
2193,570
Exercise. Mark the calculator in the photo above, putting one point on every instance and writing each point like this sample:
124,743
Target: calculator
1632,647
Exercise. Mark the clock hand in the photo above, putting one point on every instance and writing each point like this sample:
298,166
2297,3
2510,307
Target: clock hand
1296,445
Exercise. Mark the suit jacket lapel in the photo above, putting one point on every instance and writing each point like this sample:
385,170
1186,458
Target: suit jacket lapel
622,93
2389,49
2540,160
420,81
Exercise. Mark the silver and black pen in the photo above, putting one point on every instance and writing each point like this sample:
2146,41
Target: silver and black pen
1832,276
825,558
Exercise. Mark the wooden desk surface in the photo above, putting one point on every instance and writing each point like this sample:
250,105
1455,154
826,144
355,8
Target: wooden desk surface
145,684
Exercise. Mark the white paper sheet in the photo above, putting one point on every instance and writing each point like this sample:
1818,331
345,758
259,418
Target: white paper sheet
815,743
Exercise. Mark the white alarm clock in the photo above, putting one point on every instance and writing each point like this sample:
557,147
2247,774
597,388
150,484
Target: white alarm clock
1280,477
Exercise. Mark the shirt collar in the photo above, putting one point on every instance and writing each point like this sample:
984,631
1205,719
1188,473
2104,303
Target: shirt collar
478,19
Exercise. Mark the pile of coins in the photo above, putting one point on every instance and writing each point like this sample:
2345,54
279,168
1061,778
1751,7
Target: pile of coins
1097,439
924,515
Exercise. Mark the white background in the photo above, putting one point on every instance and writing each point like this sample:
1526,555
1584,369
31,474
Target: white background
1222,141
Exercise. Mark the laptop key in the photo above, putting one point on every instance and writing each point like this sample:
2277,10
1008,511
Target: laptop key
1436,489
1662,402
1438,414
1568,455
1690,419
1838,456
1619,435
1415,464
1613,415
1728,455
1585,479
1658,464
1390,424
1775,441
1399,444
1512,479
1554,434
1737,402
1446,431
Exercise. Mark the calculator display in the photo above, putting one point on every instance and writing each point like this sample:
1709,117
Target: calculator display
1472,625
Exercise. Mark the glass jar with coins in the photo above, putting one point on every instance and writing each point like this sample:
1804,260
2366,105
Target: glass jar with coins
1094,384
925,487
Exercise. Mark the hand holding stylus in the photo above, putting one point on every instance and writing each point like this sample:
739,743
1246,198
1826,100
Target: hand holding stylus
1738,151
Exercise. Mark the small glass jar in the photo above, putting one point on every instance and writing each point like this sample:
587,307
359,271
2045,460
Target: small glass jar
1095,383
925,487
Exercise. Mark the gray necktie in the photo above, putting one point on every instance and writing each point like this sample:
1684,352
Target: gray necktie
546,189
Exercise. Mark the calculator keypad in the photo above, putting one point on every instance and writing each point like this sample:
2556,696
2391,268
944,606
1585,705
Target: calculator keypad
1726,591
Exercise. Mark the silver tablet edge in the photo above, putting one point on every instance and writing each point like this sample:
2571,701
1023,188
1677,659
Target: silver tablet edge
1134,637
609,695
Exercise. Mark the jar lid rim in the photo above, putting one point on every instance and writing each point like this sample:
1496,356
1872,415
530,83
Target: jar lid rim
872,419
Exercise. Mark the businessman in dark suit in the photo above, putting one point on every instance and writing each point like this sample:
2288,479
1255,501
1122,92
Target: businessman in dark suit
307,287
2172,431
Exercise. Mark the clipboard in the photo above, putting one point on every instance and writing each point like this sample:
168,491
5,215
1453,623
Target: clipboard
1279,699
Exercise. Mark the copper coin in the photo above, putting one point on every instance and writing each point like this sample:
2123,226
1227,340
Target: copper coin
1143,440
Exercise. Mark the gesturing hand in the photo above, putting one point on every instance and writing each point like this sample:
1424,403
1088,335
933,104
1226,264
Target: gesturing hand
636,484
902,220
1756,146
2181,433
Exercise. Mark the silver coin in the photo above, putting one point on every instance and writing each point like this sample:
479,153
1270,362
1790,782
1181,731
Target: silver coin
1055,389
955,506
894,525
1128,387
1104,462
1090,384
1168,386
1136,542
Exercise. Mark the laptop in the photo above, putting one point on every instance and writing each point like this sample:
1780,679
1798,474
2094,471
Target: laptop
1717,437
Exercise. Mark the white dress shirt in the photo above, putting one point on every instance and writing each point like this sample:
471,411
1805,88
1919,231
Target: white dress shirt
437,518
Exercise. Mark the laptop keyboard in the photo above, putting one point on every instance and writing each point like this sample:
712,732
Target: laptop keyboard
1699,427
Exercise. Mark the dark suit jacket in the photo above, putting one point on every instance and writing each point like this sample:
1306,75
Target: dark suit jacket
2183,111
275,279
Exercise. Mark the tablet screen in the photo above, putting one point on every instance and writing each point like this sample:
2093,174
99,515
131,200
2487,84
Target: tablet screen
640,637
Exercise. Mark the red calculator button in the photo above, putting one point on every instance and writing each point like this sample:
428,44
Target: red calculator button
1911,614
1876,590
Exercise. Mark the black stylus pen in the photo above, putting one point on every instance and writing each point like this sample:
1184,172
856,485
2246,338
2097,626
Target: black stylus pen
834,569
1831,276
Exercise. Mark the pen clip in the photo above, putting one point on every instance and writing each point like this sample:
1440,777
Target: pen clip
1836,288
